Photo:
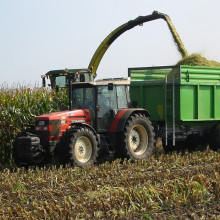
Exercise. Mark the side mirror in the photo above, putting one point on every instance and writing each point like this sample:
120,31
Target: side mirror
110,86
134,104
43,82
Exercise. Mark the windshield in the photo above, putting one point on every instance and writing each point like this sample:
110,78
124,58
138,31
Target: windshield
84,98
83,77
61,81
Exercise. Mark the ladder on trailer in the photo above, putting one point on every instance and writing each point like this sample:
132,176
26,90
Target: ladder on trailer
170,107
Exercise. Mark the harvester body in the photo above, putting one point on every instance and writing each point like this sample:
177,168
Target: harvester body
60,78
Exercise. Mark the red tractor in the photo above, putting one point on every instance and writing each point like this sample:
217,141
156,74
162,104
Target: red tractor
99,120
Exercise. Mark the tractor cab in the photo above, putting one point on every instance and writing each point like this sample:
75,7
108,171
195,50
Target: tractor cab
104,99
60,79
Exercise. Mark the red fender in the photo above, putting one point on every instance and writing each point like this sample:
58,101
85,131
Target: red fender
120,119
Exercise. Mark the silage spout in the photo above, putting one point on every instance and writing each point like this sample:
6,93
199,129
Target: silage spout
176,37
103,47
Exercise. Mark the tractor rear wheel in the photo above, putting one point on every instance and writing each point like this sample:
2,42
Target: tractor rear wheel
137,139
78,146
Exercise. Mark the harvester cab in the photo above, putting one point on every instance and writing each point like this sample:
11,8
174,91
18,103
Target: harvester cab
60,79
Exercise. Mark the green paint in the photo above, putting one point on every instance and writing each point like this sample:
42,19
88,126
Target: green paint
197,92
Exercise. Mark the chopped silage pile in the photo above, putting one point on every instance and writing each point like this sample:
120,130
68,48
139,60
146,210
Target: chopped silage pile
197,59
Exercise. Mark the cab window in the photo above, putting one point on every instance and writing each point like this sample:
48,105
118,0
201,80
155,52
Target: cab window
84,98
61,81
122,98
107,98
106,102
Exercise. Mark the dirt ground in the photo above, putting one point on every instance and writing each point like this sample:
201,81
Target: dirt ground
198,211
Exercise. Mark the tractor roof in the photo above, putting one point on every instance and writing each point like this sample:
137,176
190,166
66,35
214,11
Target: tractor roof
100,82
66,72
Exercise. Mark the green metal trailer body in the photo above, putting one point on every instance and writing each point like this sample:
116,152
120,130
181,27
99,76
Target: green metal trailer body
197,91
178,96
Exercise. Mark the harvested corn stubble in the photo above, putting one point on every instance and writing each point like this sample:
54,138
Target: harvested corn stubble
169,185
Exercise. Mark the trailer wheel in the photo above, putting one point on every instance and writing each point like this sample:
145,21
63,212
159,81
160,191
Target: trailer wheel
179,145
78,146
137,139
195,142
215,138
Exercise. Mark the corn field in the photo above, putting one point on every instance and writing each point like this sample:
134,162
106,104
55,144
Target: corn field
165,186
18,107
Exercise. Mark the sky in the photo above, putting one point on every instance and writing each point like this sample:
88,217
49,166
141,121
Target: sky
43,35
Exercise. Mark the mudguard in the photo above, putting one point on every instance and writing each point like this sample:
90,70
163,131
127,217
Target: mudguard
84,125
119,121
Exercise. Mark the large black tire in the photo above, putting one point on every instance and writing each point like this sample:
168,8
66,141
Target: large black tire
19,142
137,139
215,138
180,146
196,142
78,146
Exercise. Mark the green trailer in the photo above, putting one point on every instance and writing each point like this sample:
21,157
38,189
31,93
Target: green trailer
184,102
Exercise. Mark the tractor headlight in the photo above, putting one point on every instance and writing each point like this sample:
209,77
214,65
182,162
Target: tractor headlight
37,128
45,128
41,128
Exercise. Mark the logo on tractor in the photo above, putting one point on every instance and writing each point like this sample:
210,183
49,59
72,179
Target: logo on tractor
78,121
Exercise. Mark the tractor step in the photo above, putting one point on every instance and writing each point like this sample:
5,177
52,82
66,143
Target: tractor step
107,143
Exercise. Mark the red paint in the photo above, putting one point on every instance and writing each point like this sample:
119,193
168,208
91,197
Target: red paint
65,118
114,124
68,114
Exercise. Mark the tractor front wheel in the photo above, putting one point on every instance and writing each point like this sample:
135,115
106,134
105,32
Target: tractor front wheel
137,139
28,151
78,146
